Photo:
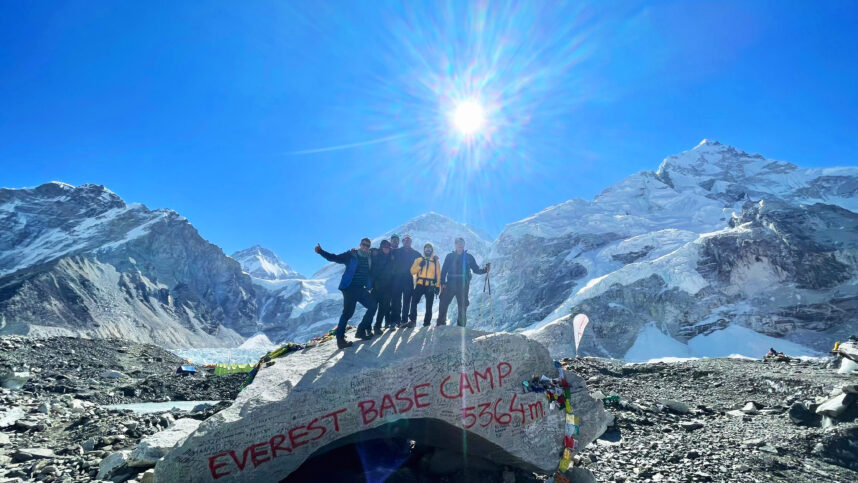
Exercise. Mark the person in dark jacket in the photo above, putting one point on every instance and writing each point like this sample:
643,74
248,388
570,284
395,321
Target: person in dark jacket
455,281
427,270
394,242
354,285
403,283
382,284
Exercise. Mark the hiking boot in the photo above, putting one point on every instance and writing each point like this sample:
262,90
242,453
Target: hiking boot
342,344
377,331
411,325
363,334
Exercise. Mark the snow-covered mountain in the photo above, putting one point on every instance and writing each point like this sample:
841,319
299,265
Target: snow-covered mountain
80,261
299,309
264,264
714,237
715,242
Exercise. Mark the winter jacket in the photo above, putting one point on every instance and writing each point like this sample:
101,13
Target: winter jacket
427,270
404,260
457,268
383,267
350,260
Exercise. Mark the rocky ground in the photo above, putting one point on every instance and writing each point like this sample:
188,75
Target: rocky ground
722,420
702,420
54,428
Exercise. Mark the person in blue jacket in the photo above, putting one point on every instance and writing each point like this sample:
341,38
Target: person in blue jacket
455,281
355,286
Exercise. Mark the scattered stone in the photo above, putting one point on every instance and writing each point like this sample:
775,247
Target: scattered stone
800,414
752,408
112,463
579,474
25,425
88,445
834,407
112,374
691,425
768,448
27,454
148,476
675,406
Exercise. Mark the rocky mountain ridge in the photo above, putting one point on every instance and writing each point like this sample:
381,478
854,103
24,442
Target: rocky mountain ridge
80,261
715,236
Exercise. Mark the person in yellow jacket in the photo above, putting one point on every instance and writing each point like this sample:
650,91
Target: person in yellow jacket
427,271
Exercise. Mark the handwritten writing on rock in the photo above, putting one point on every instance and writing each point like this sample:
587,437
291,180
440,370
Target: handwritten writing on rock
483,398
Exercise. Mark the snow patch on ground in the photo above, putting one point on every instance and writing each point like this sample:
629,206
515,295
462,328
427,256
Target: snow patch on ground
734,341
653,345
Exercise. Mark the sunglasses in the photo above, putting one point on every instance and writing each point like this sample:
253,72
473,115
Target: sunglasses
365,245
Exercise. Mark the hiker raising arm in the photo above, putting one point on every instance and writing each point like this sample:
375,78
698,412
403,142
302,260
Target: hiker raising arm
355,285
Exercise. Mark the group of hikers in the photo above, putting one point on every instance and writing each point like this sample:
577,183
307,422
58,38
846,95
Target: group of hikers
391,280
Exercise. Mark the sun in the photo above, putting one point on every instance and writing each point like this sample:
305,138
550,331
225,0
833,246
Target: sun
468,117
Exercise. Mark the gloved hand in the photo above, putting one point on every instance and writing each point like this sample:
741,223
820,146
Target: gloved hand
422,263
488,267
437,290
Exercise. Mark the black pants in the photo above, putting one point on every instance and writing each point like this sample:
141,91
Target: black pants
460,292
419,292
384,296
351,296
403,288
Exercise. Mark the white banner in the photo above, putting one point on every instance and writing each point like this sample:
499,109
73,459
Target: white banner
579,323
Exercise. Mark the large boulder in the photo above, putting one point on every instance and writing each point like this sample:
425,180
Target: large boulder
455,387
153,448
557,336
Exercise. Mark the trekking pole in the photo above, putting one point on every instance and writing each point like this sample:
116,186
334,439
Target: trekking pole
488,283
480,313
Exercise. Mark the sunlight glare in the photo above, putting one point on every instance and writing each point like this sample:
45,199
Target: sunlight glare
469,117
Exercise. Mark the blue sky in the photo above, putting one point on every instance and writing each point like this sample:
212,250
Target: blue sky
210,108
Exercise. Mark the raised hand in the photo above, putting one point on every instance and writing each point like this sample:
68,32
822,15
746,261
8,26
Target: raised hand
318,248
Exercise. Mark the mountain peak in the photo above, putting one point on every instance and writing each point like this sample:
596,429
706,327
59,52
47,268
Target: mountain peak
263,263
707,142
428,225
